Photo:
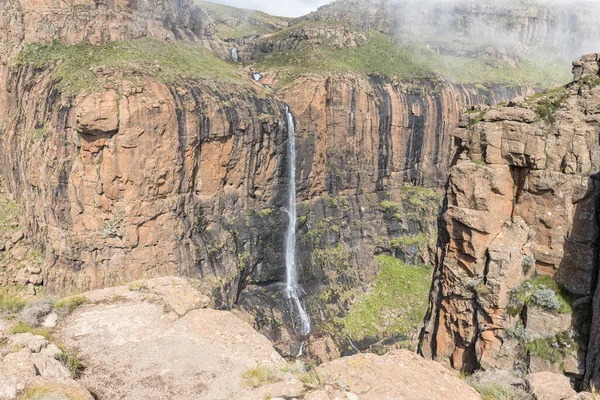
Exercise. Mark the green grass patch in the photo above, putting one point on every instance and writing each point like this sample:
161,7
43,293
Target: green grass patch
498,392
542,291
52,392
11,303
74,65
137,286
71,361
383,56
476,120
314,379
21,327
68,358
553,348
550,103
259,376
421,197
67,305
389,207
420,240
233,22
8,214
38,393
395,305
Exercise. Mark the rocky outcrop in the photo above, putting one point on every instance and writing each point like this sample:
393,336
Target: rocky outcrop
138,176
99,22
400,132
132,348
517,263
549,386
141,340
30,365
475,27
399,374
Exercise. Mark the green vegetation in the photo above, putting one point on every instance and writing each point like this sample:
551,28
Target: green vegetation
590,81
75,65
71,361
259,376
53,391
37,393
21,327
476,120
314,379
233,22
40,134
415,202
498,392
394,306
137,286
333,257
8,213
11,302
542,291
382,56
421,196
553,348
552,100
68,304
390,208
420,240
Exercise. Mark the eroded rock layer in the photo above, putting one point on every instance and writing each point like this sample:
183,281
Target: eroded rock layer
137,176
521,214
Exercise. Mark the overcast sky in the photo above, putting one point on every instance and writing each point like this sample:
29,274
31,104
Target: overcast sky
286,8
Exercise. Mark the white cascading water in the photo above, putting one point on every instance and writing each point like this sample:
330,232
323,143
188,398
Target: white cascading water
234,55
293,289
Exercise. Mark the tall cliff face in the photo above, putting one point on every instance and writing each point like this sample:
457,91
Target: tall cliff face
371,135
145,154
517,267
471,27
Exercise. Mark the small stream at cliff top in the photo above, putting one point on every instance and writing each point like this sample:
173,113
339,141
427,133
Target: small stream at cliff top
293,290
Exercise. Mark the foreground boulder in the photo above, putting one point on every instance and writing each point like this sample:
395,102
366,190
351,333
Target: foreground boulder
399,374
30,369
157,339
550,386
138,344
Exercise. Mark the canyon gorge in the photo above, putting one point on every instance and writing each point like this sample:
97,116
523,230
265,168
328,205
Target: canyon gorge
305,179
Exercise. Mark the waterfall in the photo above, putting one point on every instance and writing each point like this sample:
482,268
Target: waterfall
257,76
293,289
234,55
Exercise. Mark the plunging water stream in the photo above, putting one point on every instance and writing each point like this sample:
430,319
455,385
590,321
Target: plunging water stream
292,288
234,55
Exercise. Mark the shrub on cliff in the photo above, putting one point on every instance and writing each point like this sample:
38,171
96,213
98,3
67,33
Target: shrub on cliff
542,291
552,348
546,298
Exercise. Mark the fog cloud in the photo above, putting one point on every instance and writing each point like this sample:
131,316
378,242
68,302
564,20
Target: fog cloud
285,8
